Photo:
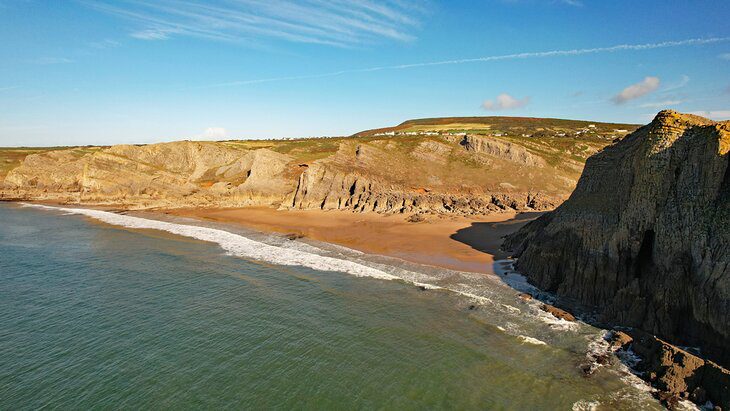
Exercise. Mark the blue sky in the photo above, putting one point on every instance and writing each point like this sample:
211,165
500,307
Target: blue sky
129,71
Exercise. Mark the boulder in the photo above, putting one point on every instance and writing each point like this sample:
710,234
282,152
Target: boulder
557,312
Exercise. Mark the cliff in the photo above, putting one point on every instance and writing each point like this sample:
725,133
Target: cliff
645,236
483,166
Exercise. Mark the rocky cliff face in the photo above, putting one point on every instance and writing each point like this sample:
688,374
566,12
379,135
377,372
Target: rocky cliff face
645,237
159,175
462,174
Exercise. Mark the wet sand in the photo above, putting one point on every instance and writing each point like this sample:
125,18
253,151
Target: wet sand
453,242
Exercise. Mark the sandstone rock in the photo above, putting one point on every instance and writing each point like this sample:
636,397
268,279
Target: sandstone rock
162,175
680,374
416,218
557,312
645,237
619,339
524,296
501,149
410,175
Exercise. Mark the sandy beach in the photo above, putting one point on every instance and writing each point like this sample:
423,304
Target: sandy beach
453,242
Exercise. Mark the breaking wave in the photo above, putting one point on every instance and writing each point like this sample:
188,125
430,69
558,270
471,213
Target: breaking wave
531,340
235,244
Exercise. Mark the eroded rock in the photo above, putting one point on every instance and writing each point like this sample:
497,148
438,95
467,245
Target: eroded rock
557,312
645,237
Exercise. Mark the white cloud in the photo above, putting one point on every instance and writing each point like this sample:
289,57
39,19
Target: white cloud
505,102
153,34
484,59
662,104
339,23
648,85
574,3
725,56
214,133
51,60
718,115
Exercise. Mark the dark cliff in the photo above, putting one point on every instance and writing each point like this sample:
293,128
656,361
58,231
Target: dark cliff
645,237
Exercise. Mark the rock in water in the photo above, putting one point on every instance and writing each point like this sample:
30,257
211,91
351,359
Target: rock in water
645,237
557,312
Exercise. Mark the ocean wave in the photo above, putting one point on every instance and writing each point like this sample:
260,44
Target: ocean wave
287,253
531,340
556,323
585,405
234,244
481,290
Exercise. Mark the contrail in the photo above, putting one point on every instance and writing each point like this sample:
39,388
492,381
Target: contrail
516,56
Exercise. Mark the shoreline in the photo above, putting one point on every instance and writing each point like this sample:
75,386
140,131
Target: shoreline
623,343
454,242
462,243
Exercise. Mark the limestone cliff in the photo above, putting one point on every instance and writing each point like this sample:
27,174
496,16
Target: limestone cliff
495,166
645,236
159,175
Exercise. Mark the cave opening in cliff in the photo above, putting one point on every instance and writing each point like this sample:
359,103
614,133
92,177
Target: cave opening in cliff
645,260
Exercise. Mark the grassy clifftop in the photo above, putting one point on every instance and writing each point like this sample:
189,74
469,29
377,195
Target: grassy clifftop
499,162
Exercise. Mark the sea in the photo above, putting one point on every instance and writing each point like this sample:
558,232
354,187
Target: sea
105,310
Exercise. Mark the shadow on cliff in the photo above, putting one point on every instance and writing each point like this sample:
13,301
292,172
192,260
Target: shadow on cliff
487,237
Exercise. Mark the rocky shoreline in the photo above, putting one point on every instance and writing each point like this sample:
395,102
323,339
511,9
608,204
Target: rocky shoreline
674,372
644,240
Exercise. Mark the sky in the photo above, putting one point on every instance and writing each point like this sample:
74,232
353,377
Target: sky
77,72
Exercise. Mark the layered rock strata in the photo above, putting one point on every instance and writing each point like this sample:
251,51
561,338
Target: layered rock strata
645,236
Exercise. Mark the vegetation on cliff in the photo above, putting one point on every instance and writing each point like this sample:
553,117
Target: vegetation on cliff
466,166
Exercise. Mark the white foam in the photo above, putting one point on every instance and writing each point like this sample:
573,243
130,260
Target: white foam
585,405
234,244
556,323
289,254
531,340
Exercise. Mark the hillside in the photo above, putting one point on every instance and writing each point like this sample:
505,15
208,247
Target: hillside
448,165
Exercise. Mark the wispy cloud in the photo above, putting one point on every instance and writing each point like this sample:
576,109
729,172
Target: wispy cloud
681,83
662,104
153,34
50,60
574,3
335,22
718,115
646,86
725,56
8,88
505,102
105,44
485,59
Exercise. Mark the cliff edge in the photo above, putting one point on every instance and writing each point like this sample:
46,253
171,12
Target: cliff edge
444,166
645,236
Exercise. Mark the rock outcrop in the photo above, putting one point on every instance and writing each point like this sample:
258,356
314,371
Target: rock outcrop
676,373
645,236
501,149
424,174
159,175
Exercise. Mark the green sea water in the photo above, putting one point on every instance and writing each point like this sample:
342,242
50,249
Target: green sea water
102,316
